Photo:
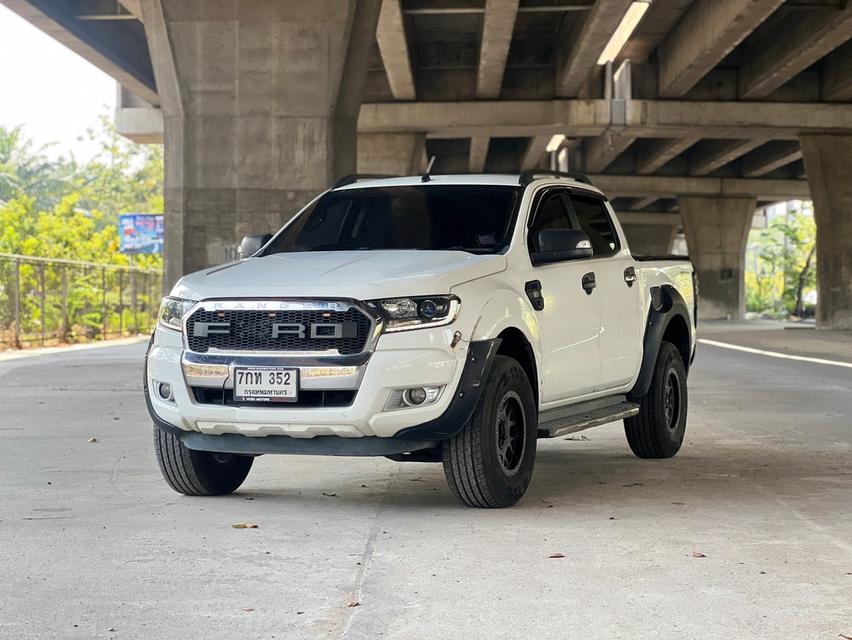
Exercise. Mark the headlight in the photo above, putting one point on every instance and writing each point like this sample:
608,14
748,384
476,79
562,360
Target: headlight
404,314
172,311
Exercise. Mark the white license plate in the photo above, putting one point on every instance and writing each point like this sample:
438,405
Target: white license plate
266,384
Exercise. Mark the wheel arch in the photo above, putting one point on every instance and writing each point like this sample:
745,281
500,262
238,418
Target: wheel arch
668,320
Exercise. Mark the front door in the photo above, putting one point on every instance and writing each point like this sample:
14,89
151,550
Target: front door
571,318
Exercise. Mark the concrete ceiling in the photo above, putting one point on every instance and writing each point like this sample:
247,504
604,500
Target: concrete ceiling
702,90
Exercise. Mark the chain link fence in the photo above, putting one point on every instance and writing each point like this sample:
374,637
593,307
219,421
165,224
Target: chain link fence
46,301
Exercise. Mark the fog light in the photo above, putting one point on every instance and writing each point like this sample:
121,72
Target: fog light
164,389
415,396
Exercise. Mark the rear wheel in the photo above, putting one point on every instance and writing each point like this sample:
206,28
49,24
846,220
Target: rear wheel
489,463
198,473
658,429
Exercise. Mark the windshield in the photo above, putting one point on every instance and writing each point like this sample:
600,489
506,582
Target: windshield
477,219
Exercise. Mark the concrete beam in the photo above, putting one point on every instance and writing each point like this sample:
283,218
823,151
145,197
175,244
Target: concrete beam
478,153
134,7
671,186
774,155
497,28
837,75
658,153
653,239
602,151
143,125
592,117
115,49
801,40
707,32
393,46
651,218
641,203
581,41
535,150
710,155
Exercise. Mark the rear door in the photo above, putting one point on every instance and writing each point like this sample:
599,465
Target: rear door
622,321
570,320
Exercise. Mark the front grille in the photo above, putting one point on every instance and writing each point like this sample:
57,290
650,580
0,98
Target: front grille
252,330
307,398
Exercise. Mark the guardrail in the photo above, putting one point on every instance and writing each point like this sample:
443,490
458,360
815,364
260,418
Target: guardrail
48,300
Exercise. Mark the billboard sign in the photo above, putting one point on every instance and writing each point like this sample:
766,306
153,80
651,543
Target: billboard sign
140,233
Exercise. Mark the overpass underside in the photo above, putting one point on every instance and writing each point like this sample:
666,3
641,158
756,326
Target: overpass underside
689,113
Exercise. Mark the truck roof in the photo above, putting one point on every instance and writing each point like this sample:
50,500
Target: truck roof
361,182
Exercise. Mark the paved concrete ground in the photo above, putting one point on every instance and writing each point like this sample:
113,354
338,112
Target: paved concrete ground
94,545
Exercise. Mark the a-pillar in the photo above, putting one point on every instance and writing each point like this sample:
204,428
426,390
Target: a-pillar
828,164
260,103
396,154
716,230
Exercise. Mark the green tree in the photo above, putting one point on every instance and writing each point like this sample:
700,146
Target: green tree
782,268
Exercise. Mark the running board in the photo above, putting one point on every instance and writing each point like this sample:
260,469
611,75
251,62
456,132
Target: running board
560,422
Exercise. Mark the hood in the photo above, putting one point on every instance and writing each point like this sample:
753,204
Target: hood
362,275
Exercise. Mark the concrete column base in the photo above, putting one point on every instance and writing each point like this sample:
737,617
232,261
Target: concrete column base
650,239
717,231
828,164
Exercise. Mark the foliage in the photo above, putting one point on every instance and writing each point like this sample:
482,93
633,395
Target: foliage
69,210
781,265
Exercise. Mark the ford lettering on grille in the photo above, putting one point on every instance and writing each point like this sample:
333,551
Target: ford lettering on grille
278,330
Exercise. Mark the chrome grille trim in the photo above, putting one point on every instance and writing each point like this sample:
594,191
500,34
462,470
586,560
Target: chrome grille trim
340,305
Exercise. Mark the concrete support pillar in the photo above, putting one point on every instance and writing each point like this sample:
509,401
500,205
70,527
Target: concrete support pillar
398,154
650,239
717,231
828,165
260,103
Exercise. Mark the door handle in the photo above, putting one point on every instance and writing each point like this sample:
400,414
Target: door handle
533,290
589,282
630,276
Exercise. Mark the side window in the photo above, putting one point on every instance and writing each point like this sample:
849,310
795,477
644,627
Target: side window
550,213
595,221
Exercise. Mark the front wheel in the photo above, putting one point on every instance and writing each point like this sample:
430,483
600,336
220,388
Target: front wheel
489,463
657,430
198,473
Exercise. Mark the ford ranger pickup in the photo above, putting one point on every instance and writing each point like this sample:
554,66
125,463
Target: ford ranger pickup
447,318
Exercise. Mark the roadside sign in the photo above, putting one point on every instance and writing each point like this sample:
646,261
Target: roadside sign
140,233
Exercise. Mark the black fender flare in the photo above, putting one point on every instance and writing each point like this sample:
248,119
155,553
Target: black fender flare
666,303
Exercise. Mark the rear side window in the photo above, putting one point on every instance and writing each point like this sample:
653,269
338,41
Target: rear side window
594,220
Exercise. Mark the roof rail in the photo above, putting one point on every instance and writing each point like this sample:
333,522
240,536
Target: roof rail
529,175
355,177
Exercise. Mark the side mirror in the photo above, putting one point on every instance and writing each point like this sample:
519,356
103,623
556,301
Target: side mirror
250,245
556,245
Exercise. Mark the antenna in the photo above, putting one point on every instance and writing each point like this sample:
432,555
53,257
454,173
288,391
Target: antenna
426,177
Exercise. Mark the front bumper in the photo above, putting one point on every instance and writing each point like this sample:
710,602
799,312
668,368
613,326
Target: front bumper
418,358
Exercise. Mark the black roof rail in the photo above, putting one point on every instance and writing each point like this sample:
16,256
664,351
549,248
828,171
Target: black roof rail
355,177
530,174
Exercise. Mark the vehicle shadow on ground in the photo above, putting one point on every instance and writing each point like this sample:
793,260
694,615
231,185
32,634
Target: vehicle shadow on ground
586,473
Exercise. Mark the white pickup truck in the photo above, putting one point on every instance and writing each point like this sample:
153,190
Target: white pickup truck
451,318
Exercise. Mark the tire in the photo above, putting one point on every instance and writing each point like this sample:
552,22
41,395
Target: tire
657,430
489,463
198,473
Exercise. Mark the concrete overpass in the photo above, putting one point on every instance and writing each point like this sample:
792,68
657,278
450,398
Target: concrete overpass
691,112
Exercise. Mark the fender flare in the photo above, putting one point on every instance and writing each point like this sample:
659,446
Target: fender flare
666,304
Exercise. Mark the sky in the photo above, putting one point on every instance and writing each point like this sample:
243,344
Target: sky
50,90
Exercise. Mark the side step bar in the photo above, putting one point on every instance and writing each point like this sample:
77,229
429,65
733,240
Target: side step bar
565,420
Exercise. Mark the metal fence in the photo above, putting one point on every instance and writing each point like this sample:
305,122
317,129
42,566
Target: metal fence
47,301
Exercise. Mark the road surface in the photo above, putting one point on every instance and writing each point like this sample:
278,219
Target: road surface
746,534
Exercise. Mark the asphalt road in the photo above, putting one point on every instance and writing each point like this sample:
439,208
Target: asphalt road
746,534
